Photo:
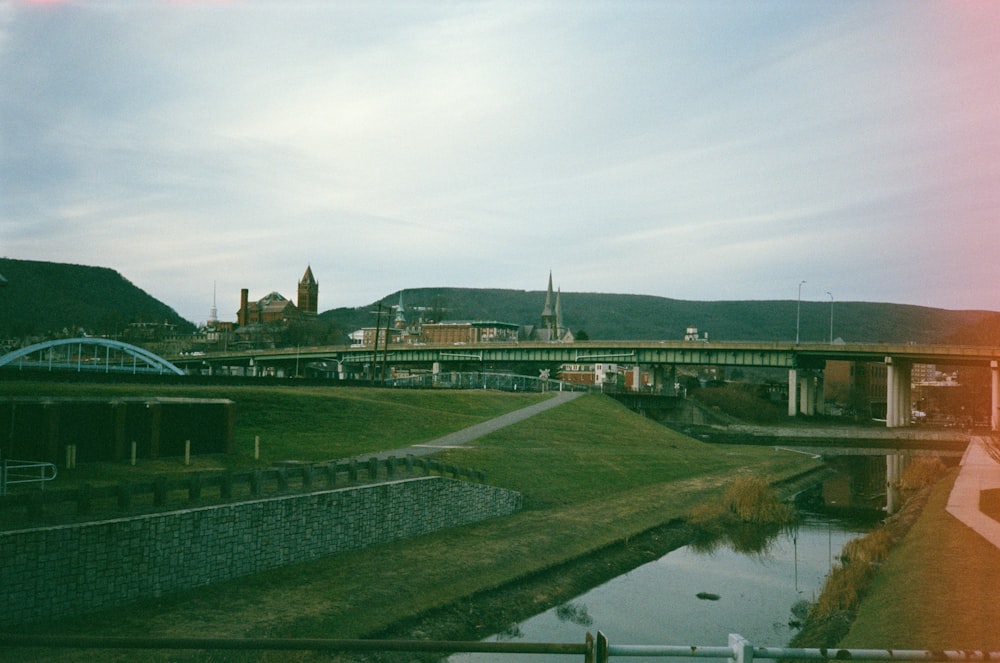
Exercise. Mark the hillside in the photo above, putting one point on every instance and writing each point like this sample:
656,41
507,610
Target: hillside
101,301
646,317
42,297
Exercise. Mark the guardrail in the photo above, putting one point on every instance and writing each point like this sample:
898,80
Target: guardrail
593,650
482,380
25,471
161,492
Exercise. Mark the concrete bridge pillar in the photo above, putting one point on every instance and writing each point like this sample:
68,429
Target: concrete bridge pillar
793,390
898,404
994,395
802,392
807,395
820,392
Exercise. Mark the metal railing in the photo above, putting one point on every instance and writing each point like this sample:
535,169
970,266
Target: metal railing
593,650
164,493
25,471
482,380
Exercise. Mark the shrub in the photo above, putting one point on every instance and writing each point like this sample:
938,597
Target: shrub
748,517
752,500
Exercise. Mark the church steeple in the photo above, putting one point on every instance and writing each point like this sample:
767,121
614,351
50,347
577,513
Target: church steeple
548,312
552,328
308,301
558,313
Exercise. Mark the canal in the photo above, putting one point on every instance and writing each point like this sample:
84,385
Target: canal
757,584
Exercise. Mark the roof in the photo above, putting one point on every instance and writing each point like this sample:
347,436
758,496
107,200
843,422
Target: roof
274,301
476,323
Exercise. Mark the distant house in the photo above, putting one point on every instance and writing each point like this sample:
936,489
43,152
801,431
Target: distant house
632,378
590,374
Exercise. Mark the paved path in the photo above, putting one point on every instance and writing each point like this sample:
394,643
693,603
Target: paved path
980,471
463,437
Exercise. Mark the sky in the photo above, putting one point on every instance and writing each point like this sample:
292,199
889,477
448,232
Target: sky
698,150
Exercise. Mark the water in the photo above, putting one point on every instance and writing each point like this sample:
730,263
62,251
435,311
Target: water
658,603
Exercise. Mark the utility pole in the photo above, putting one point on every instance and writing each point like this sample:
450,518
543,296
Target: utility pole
378,323
831,316
798,313
385,346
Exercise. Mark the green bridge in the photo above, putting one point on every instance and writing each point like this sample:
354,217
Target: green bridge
803,361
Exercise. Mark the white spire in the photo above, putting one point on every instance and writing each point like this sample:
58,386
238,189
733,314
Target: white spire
213,314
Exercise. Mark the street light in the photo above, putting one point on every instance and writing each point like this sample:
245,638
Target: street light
798,313
831,316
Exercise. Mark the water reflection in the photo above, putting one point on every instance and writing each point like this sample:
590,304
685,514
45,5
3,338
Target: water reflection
743,538
757,583
575,613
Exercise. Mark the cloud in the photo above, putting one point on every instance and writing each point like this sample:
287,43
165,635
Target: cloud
631,148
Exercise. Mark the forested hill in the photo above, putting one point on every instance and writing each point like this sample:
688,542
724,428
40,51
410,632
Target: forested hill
46,297
645,317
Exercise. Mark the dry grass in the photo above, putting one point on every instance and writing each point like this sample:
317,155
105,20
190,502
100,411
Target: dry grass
936,591
920,472
847,582
747,517
747,500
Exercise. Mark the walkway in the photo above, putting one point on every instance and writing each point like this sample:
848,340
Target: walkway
980,471
466,435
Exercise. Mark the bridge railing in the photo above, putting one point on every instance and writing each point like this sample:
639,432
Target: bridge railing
593,650
482,380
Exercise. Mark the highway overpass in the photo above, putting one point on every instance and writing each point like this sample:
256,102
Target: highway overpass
803,361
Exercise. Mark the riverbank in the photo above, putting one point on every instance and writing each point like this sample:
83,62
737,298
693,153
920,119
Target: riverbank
593,475
937,589
493,611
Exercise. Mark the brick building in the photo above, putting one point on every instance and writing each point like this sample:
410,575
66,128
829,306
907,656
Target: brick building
275,308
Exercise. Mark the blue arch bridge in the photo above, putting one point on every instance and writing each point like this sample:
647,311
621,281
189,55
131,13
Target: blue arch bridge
92,354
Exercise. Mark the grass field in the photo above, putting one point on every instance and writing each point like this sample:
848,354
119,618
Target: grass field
592,473
307,424
937,590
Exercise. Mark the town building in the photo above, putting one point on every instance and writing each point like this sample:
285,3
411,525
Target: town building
858,387
607,375
450,332
276,308
590,374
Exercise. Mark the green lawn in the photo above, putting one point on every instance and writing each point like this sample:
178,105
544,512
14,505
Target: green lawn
937,590
308,424
593,474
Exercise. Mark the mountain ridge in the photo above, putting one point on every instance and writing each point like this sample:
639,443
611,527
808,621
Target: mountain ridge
651,317
100,300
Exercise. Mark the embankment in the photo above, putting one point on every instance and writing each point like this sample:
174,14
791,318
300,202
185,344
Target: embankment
49,572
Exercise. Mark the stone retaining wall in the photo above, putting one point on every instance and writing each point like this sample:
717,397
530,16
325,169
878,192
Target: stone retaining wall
57,571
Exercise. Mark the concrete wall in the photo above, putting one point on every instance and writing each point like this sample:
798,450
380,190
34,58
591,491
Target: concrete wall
57,571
